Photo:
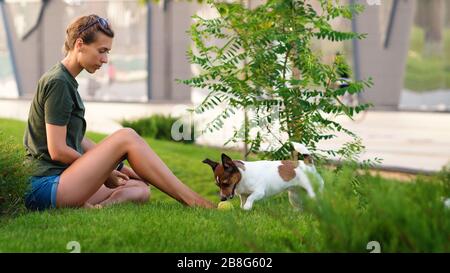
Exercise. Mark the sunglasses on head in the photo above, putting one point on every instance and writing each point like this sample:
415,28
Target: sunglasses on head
102,21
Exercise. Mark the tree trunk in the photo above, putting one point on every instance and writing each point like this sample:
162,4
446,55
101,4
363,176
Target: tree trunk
435,27
447,13
421,18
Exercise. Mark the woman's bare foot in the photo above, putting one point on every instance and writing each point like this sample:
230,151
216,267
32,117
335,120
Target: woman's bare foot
90,206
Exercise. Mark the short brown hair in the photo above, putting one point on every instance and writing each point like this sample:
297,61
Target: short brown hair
77,29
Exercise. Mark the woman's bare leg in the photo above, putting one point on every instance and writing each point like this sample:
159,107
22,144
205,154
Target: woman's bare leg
88,173
135,191
100,195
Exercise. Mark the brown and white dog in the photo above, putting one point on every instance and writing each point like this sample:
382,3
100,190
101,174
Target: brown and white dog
252,181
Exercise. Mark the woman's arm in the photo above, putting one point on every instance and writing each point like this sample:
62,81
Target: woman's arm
57,147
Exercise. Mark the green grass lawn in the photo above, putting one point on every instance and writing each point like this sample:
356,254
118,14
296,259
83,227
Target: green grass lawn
353,210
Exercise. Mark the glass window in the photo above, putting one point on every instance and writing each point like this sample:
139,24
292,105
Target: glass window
25,14
8,87
427,75
124,78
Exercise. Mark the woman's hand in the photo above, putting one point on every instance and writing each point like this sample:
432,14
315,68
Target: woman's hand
116,179
132,174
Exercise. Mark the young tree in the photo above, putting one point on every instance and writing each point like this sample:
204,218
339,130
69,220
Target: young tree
262,60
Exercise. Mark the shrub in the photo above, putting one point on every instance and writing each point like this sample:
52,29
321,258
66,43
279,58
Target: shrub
356,209
14,174
444,178
144,126
157,126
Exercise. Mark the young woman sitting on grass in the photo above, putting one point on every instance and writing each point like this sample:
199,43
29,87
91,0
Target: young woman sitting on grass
71,170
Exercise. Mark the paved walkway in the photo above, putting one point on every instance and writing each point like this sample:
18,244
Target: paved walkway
437,100
405,141
410,140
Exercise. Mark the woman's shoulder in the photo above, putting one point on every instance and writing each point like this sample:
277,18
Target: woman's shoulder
51,82
53,75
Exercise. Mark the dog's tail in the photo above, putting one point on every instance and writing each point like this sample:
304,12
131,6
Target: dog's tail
308,159
301,149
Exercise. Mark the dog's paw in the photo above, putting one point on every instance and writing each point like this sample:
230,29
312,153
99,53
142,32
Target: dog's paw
247,206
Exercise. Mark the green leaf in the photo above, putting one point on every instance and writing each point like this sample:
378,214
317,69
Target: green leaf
248,58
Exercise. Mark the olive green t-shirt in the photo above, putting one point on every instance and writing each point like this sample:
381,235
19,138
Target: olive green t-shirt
56,102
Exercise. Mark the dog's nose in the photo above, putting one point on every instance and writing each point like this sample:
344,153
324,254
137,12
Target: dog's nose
223,198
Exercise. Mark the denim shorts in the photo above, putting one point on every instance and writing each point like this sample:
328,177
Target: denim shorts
42,194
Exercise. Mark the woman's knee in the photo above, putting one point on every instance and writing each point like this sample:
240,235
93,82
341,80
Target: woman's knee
127,133
138,193
144,194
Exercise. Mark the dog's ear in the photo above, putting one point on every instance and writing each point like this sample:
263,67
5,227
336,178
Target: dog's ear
227,162
211,163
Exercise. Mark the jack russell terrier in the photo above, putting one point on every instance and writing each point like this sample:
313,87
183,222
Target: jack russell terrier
252,181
